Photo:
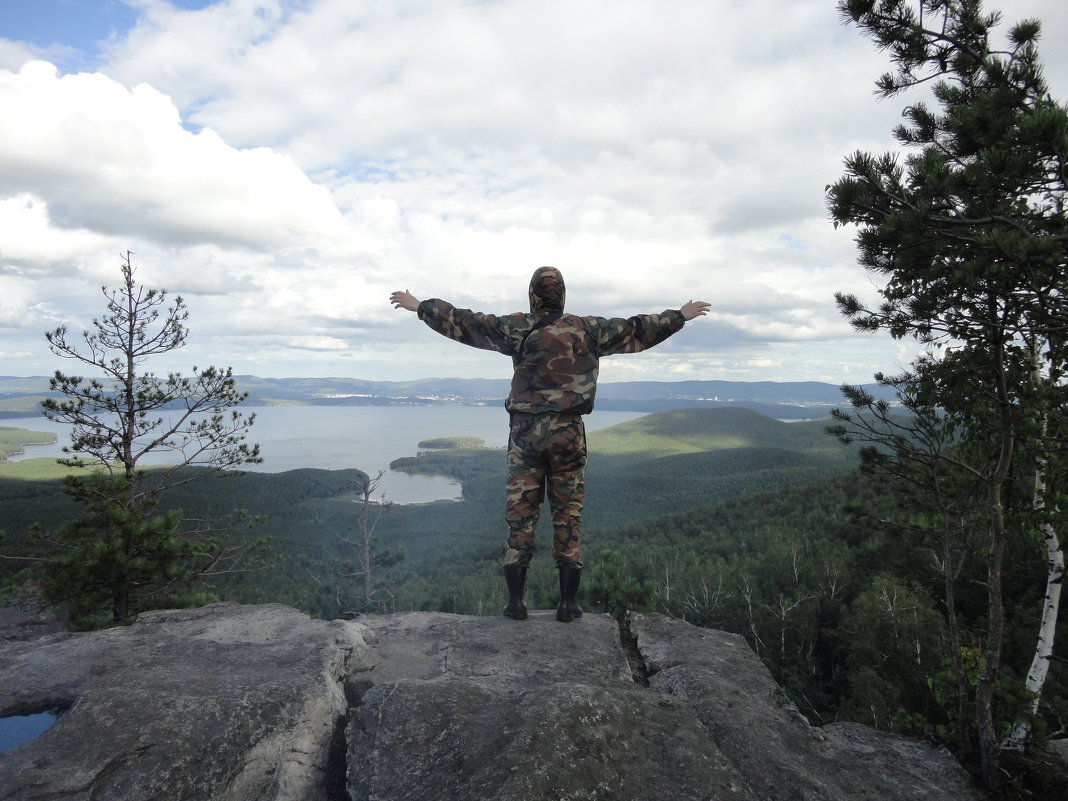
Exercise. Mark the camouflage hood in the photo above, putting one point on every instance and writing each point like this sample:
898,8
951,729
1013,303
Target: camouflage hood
546,291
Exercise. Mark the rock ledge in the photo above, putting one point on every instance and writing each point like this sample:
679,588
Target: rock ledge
260,702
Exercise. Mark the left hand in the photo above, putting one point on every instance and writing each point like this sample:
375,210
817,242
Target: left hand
694,308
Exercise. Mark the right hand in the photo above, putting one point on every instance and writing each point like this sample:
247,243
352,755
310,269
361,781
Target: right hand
403,299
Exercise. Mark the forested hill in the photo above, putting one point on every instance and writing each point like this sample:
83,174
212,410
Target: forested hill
680,431
658,464
685,458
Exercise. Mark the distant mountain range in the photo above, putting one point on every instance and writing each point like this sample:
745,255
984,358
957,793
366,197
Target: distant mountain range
788,400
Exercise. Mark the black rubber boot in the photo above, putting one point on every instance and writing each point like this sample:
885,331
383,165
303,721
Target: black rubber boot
515,576
569,609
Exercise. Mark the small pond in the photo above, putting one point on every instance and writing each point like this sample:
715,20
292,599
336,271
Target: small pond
18,729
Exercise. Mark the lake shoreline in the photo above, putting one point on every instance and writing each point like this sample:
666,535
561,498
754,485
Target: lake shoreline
368,438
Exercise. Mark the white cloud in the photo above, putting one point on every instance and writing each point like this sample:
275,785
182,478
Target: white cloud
283,165
334,80
30,238
15,54
118,161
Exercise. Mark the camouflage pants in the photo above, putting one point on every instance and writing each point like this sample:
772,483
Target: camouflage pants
545,452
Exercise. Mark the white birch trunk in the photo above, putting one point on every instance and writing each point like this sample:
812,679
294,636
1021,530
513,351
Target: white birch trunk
1036,677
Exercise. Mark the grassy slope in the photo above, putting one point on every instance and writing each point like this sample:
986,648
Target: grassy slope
682,431
37,469
12,440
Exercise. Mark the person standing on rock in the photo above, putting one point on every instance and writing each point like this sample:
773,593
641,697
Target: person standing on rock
555,358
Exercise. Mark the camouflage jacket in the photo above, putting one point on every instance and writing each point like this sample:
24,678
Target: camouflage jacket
555,365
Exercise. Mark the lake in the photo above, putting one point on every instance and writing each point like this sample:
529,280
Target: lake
364,437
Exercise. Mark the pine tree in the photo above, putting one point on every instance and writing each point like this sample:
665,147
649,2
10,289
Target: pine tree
119,552
969,233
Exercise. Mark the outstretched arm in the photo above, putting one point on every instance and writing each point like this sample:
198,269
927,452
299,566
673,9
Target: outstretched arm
486,331
694,308
403,299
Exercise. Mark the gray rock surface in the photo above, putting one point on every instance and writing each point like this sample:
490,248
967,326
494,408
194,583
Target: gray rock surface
222,702
485,708
239,702
751,720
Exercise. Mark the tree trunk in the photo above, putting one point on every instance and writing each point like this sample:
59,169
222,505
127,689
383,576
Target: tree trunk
984,692
1036,676
366,569
963,717
988,677
1020,733
365,539
120,602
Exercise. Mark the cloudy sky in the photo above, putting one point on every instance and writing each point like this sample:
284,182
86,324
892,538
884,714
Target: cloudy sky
284,164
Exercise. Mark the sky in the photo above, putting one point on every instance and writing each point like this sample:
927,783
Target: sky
283,165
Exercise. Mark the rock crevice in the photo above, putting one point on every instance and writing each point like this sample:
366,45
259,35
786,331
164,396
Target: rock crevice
639,671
